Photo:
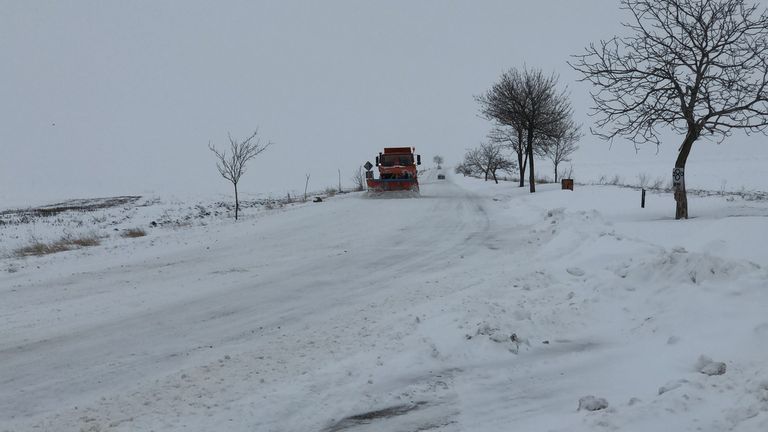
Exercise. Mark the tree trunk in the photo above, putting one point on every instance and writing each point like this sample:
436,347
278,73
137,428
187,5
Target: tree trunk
531,172
681,198
531,175
237,202
494,176
522,170
520,161
678,176
555,172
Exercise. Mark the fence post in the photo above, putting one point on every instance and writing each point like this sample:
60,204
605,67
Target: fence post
642,199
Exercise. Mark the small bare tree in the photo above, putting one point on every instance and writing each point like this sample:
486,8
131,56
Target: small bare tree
472,164
359,179
438,160
306,185
562,145
495,160
464,169
487,161
514,138
232,165
698,67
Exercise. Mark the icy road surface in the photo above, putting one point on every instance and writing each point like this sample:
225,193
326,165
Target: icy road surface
471,308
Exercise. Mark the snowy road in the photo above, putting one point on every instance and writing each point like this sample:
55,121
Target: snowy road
274,299
475,307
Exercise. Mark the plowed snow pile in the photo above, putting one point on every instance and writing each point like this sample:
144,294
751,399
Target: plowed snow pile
473,307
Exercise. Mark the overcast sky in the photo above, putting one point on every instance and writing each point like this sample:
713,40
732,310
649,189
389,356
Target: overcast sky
103,97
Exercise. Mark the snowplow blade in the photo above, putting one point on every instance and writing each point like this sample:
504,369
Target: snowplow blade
387,185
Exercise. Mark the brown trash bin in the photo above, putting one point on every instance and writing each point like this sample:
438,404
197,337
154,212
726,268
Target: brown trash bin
567,184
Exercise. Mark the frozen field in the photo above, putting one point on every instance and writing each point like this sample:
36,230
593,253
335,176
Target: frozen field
476,307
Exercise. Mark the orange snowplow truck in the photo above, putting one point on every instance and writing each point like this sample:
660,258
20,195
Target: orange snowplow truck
397,170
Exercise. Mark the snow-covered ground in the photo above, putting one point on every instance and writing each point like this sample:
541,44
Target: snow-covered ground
476,307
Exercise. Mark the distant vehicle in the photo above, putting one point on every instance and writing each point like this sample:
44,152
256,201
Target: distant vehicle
441,176
397,170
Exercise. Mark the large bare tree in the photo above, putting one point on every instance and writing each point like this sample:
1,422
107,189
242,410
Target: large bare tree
698,67
232,165
530,101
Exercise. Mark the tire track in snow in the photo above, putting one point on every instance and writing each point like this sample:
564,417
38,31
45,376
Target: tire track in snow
244,312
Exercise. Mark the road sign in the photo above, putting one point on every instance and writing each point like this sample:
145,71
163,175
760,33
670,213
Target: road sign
368,166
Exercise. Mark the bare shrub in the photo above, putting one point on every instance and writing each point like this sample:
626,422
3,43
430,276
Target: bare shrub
657,184
98,219
567,174
271,203
643,179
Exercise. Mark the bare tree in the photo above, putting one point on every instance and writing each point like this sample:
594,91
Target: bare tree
562,145
463,169
438,160
495,160
528,101
502,164
698,67
514,138
487,161
232,166
472,164
359,179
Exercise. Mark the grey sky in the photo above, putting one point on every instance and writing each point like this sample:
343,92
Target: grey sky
112,97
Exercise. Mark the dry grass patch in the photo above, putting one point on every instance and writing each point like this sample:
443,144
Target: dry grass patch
83,241
133,233
38,247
